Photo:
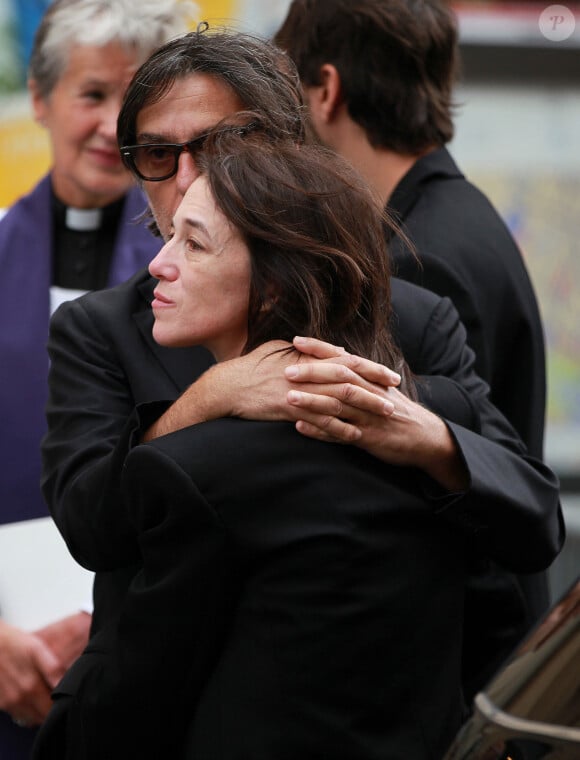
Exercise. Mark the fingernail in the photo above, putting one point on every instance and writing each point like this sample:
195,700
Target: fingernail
294,396
388,407
291,371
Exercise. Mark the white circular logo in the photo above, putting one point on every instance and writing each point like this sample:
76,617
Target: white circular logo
557,23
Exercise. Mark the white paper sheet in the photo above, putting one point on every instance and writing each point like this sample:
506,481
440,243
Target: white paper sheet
39,580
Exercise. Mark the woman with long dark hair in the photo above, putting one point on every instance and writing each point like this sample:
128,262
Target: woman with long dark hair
299,599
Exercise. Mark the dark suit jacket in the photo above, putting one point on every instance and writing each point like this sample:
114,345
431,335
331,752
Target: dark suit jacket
297,600
104,357
465,252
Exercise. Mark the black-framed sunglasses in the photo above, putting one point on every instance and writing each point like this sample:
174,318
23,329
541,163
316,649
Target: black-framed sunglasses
154,162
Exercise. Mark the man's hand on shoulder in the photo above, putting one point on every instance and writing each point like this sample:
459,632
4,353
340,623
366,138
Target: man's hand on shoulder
252,386
356,401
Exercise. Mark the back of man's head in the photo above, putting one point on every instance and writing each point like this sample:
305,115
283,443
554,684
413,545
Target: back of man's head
262,77
397,61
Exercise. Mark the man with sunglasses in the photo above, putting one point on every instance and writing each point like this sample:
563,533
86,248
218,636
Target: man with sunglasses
156,162
112,386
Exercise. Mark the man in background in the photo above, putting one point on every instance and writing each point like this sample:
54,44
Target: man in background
378,77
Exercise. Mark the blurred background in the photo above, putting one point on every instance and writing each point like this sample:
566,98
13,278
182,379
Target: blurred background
517,137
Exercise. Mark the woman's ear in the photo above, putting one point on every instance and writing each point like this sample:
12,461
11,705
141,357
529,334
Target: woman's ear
270,299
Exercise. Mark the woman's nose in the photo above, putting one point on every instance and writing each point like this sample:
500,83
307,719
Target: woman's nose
161,267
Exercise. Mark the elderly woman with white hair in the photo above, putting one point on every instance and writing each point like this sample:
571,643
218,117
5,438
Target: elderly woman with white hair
77,230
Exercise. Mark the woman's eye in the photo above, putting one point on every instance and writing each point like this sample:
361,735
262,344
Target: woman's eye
194,245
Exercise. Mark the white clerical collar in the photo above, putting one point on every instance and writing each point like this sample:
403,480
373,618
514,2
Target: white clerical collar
83,219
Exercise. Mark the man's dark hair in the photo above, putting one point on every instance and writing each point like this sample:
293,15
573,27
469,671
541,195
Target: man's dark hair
397,61
261,75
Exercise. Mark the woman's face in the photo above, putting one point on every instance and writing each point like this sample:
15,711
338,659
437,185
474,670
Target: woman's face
81,117
204,272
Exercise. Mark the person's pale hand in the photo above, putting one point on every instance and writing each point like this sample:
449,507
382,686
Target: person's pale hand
356,402
335,392
255,386
29,670
67,637
263,378
369,373
252,386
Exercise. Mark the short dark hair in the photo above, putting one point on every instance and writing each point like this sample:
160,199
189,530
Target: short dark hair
260,74
320,265
397,61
